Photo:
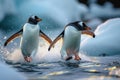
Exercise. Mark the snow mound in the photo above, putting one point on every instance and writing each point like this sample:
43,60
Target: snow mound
106,42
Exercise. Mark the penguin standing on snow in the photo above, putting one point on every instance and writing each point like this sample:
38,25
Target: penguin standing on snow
30,37
71,39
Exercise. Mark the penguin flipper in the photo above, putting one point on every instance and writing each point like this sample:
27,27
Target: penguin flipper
57,38
88,33
45,37
17,34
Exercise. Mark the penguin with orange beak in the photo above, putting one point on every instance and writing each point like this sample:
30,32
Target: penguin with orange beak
71,36
30,34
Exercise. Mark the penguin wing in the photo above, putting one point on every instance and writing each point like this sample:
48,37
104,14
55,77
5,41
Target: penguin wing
57,38
45,37
88,33
17,34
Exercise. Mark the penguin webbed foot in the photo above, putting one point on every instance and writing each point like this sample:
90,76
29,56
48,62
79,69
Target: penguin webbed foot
28,59
68,58
77,58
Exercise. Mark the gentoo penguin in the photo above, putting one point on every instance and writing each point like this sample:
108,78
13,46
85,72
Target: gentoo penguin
30,37
71,39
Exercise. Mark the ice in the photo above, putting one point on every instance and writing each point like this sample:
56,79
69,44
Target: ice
7,73
106,42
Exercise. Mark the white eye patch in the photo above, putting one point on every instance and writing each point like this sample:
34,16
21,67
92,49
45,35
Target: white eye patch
33,17
81,23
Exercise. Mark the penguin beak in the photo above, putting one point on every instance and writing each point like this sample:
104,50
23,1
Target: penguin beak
87,28
90,33
38,20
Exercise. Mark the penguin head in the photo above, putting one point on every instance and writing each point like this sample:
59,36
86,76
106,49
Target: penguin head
79,25
86,28
83,26
34,20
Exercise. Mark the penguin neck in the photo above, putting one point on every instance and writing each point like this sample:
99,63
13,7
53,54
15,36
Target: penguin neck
77,26
72,29
33,26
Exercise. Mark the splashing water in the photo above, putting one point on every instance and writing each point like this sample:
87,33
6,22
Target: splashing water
43,55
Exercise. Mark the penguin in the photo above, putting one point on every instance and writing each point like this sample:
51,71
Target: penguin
30,34
71,36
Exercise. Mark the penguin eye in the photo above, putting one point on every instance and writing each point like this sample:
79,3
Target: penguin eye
36,17
82,25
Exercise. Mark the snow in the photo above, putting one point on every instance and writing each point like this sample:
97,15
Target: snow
7,73
106,42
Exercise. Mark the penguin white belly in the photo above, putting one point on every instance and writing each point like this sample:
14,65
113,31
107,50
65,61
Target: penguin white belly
71,42
30,39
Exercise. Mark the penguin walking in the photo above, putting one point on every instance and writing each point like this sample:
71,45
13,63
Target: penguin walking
71,39
30,34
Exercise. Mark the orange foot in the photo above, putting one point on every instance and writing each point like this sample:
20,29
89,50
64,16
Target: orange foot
28,59
77,58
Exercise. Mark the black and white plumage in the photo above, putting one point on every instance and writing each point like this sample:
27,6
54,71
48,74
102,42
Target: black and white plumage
30,34
71,39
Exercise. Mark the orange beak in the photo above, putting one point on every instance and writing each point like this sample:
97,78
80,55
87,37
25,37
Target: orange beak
38,20
87,32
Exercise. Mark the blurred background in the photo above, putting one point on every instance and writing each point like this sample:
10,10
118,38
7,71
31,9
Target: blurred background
55,13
